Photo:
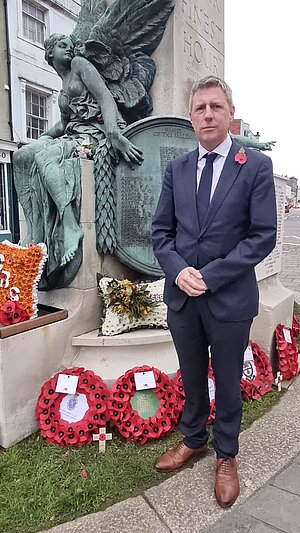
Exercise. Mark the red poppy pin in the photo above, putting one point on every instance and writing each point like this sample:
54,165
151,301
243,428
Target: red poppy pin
241,157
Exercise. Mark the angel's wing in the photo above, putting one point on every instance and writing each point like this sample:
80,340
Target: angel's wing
120,45
90,11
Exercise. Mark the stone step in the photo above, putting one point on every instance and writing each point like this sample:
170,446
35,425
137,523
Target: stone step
111,356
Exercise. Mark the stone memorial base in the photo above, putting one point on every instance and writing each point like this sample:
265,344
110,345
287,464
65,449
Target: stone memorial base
110,357
275,307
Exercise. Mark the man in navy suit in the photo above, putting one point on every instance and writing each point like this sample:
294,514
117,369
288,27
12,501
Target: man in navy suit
215,221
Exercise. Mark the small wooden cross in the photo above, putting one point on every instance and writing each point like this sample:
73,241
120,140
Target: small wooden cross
278,380
102,437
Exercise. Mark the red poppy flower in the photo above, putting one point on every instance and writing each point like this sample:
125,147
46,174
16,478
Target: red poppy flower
241,157
51,432
121,396
59,437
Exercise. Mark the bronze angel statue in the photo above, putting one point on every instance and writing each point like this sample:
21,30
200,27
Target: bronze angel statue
106,71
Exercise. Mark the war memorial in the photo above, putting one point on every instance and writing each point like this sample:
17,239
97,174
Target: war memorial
94,212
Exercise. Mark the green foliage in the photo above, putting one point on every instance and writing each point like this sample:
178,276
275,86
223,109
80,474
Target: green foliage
41,485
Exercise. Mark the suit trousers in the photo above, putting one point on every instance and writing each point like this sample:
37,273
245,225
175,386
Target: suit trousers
194,329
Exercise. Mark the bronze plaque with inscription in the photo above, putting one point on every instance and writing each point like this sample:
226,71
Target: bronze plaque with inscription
137,190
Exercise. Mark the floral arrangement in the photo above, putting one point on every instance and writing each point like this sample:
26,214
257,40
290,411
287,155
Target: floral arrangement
128,421
125,296
12,312
91,391
20,271
253,387
85,150
287,352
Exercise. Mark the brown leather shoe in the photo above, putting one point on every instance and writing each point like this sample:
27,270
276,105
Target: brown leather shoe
227,486
178,456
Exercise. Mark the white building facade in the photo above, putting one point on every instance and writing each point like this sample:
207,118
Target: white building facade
34,85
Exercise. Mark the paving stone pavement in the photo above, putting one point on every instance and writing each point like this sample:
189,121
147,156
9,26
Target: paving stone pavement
290,269
269,466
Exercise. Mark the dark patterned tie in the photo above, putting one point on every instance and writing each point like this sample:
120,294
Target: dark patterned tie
203,193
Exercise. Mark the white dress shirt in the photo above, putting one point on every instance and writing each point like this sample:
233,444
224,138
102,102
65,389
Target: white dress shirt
222,150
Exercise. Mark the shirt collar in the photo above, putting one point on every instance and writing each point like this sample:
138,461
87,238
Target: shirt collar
222,149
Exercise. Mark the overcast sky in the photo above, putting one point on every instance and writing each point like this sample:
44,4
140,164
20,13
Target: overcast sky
262,44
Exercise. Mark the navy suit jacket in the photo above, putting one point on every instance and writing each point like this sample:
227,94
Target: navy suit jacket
238,232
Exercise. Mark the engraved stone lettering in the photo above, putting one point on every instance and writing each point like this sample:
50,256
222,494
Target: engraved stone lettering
272,264
201,22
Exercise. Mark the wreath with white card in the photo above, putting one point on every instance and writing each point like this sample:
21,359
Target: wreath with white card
70,419
287,351
148,413
257,375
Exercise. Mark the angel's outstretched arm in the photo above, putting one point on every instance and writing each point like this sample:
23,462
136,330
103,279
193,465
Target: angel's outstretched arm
95,84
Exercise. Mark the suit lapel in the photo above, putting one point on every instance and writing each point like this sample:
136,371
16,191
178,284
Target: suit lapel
228,176
189,171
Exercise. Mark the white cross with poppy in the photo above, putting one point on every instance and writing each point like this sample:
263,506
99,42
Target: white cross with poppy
102,437
278,380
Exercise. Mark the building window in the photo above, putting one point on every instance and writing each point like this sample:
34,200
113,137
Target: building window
33,22
36,113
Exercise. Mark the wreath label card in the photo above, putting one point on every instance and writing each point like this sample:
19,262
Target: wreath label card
73,407
287,335
211,389
66,384
248,354
144,380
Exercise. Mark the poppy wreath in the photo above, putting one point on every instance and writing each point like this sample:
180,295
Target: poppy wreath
54,428
261,384
180,391
296,326
287,353
128,421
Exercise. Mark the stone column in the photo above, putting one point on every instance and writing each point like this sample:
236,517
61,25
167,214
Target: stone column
192,47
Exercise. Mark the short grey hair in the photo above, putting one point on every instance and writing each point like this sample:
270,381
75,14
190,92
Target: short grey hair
210,81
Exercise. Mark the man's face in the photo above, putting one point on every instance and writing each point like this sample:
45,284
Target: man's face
211,116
